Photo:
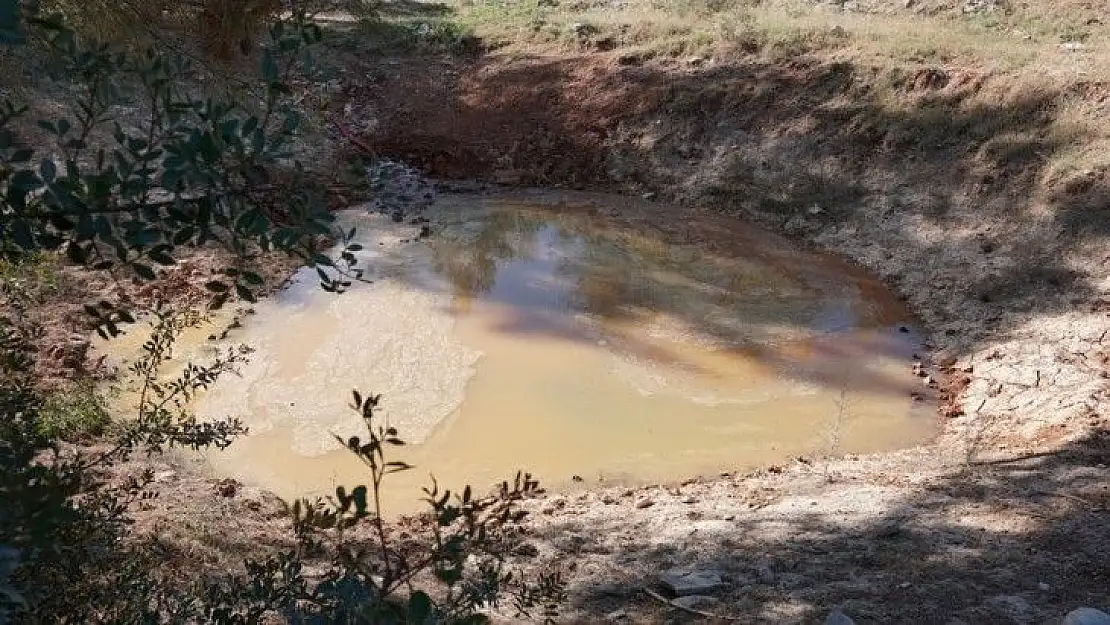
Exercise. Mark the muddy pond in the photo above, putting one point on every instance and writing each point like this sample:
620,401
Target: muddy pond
591,340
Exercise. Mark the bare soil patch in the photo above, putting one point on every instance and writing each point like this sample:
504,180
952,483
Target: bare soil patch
944,181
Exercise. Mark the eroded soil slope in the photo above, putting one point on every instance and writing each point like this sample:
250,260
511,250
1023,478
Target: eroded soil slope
971,193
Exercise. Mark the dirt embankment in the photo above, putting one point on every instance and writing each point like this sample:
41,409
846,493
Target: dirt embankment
954,186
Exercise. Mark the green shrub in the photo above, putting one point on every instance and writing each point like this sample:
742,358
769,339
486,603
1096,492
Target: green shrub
74,415
123,195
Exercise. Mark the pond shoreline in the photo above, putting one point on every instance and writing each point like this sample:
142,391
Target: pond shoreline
1002,519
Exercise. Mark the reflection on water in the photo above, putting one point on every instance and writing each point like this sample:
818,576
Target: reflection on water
542,332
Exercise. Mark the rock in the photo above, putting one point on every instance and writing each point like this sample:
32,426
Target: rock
646,502
689,500
1014,607
838,617
227,487
526,550
696,602
162,477
616,615
1072,46
557,503
1086,616
684,582
582,30
980,6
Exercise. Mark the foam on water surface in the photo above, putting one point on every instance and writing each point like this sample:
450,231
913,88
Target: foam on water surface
549,333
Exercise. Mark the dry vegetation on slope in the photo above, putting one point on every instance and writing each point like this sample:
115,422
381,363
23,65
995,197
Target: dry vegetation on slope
957,149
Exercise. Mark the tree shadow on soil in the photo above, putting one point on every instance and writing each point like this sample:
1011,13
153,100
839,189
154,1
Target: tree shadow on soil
952,171
1012,541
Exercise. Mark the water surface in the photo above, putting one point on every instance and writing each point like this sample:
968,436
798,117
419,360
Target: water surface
587,339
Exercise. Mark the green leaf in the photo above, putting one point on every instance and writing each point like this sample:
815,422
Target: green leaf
11,23
216,286
143,271
252,277
21,235
48,170
25,180
419,609
184,235
245,294
161,255
77,254
218,301
270,70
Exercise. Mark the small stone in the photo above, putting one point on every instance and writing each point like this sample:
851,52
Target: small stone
162,477
904,585
1043,586
696,602
1015,608
838,617
684,582
526,550
689,500
616,615
1072,46
1086,616
227,487
645,503
607,499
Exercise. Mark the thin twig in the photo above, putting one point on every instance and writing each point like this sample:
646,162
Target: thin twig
654,595
1090,504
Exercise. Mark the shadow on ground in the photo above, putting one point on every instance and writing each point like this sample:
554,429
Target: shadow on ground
1014,541
949,174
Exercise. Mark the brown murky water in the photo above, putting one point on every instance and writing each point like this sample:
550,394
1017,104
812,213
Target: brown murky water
584,338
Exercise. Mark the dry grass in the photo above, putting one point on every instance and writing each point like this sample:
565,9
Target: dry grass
935,34
1052,47
221,27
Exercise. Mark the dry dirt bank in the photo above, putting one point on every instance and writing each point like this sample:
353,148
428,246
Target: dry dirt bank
956,187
